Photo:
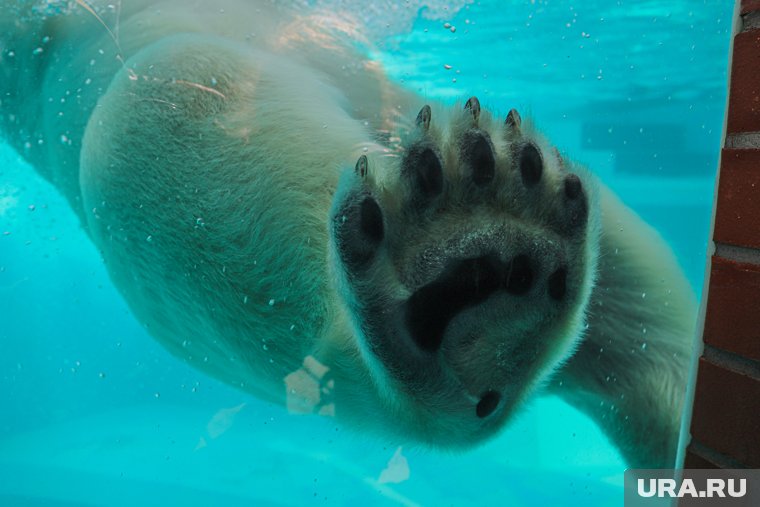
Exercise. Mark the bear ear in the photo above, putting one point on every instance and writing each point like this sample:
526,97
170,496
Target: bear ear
361,166
473,106
513,121
423,118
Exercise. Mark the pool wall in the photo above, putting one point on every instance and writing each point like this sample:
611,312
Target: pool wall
725,423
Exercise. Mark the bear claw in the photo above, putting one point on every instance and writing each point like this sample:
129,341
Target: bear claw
473,105
423,118
513,120
361,166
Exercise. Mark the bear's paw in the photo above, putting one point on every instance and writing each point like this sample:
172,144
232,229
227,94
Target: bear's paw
466,264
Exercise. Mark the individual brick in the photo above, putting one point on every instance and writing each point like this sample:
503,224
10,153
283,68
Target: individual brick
732,322
726,414
737,220
744,98
750,5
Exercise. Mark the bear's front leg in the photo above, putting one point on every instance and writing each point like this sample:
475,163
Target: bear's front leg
631,369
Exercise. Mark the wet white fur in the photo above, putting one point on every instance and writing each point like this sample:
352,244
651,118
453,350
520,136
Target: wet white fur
206,175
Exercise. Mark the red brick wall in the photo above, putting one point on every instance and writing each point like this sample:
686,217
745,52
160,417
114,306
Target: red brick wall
725,424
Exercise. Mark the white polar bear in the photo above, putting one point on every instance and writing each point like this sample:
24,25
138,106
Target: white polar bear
276,212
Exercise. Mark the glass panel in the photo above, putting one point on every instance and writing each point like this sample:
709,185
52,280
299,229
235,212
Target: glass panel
430,304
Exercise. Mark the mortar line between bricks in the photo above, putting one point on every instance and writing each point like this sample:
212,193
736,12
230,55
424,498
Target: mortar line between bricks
738,253
713,456
751,21
743,140
734,362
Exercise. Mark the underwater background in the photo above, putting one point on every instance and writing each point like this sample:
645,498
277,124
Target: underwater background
94,412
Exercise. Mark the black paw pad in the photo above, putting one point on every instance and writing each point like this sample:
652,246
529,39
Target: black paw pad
573,186
359,230
477,150
519,277
371,220
558,284
426,172
465,284
531,165
487,404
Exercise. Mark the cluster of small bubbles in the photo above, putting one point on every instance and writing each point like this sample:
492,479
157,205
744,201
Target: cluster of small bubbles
199,222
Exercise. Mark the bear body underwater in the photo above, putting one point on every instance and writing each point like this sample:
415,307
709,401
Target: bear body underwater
282,216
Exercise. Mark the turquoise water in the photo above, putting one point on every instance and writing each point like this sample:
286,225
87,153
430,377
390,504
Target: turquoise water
96,413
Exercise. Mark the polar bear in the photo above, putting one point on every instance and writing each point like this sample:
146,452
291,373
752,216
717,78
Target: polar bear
281,215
